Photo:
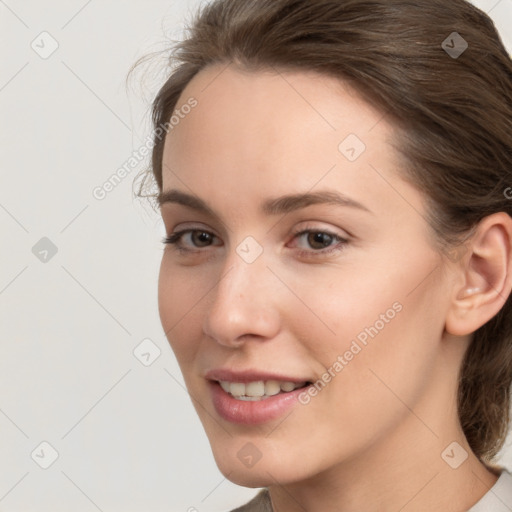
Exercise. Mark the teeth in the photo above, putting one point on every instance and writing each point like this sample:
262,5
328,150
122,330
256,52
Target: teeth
272,387
258,390
237,388
287,386
255,388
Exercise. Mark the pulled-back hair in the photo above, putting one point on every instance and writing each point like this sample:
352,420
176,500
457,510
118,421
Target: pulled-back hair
452,113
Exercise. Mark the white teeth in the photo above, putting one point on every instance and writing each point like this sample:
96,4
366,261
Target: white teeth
287,386
255,388
258,390
272,387
237,388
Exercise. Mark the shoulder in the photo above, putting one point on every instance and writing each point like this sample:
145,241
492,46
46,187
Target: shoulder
499,496
260,503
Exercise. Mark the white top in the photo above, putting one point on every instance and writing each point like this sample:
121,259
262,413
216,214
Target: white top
498,498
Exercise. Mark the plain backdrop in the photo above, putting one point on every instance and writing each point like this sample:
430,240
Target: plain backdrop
93,413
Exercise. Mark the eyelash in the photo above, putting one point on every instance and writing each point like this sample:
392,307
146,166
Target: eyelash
175,239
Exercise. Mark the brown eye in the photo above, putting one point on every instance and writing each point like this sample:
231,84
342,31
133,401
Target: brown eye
318,243
190,239
201,238
319,239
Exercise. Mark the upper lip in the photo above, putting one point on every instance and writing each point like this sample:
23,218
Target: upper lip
225,374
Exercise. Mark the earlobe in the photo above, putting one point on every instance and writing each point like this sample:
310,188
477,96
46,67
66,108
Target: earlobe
486,276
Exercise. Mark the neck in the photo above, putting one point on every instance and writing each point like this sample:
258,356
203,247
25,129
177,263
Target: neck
408,469
380,482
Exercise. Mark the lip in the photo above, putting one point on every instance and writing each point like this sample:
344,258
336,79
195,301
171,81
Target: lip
248,412
250,376
251,412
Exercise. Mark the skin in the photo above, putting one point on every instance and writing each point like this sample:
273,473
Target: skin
372,438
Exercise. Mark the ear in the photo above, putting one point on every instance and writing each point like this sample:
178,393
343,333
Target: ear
486,279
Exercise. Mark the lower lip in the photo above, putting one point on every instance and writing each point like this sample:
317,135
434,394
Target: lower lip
252,412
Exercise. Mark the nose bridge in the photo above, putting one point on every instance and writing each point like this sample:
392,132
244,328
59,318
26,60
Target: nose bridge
247,262
241,303
245,272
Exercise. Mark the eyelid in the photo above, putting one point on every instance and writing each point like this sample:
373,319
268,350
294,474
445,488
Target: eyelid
322,229
177,236
330,250
192,226
295,231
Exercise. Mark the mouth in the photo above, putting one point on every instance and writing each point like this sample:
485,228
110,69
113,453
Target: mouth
253,396
256,391
253,402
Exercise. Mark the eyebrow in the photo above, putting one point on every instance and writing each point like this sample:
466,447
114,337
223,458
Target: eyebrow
273,206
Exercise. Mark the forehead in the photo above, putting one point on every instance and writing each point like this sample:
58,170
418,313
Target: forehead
255,136
273,119
278,98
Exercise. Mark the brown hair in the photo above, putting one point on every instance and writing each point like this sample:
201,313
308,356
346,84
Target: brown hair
453,118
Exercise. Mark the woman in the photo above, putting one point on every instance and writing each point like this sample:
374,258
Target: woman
333,176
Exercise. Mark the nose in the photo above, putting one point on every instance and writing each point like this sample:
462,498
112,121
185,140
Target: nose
243,304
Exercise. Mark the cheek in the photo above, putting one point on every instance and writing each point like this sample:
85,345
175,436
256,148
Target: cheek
364,299
341,304
382,333
179,304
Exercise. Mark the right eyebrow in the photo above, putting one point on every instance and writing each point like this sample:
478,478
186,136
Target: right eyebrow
189,200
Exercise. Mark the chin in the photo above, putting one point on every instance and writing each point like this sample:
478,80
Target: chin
265,472
247,477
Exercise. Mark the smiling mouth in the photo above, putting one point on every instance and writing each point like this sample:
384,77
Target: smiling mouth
259,390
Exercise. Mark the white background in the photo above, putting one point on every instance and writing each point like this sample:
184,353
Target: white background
126,434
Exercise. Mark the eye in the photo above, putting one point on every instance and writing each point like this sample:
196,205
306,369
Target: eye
321,241
198,238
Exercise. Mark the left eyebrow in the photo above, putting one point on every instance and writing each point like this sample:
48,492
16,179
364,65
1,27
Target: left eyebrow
286,204
273,206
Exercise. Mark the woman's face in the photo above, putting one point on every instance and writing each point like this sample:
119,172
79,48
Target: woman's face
341,287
